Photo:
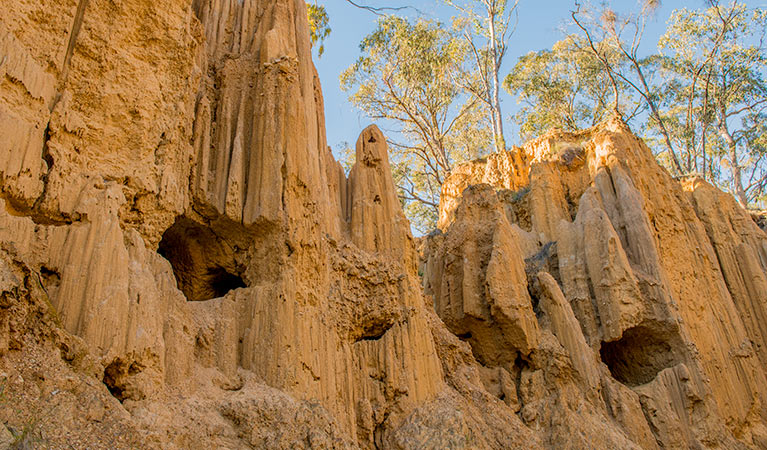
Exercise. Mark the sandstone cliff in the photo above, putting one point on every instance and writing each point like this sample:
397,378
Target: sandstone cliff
183,264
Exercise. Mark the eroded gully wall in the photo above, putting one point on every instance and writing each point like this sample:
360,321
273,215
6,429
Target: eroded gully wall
665,279
166,179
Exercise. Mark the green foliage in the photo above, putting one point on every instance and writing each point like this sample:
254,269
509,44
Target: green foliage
608,31
346,156
407,76
701,100
716,95
486,27
319,25
565,87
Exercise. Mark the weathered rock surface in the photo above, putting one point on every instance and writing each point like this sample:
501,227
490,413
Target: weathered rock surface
651,291
183,264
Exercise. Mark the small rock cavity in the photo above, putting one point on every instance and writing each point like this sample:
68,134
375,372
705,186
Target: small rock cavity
204,263
117,378
640,354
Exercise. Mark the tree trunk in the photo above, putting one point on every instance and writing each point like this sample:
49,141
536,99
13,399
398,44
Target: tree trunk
705,123
495,127
703,150
656,115
500,141
732,152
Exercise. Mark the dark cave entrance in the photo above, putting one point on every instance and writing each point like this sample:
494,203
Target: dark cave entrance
222,281
640,354
204,263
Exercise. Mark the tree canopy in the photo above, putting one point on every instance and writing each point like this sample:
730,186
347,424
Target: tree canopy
408,76
716,98
564,87
319,26
699,99
486,27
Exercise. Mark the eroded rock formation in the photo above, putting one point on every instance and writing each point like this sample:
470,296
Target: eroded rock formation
183,264
650,290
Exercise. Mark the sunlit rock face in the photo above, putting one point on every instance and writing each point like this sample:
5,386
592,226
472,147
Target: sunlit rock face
653,289
183,264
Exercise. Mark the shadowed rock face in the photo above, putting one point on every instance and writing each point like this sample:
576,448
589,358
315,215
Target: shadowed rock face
760,217
204,261
183,264
639,355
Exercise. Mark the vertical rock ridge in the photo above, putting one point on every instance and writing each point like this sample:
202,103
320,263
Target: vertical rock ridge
186,264
373,211
664,286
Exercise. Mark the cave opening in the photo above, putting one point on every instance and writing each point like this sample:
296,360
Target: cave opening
114,379
203,261
110,380
222,281
640,354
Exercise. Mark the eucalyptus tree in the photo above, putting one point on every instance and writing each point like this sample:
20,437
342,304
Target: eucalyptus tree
486,26
408,78
623,33
319,26
319,20
717,62
566,87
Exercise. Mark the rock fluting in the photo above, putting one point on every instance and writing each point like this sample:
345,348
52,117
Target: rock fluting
650,290
183,264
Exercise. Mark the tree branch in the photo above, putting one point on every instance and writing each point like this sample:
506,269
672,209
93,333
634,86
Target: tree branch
382,10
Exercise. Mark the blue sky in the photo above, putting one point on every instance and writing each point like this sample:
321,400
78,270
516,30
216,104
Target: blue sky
540,25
